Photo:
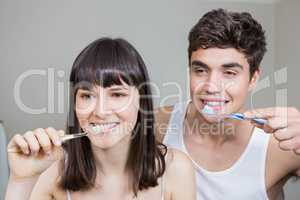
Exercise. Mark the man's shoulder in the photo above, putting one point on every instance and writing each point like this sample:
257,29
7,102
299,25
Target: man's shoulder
163,113
162,118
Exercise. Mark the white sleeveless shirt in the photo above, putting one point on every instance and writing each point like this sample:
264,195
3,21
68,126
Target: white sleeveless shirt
244,180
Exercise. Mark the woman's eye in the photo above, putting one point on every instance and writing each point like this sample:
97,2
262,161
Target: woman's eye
85,96
119,94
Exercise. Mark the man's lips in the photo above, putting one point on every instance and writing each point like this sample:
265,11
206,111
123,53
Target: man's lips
214,103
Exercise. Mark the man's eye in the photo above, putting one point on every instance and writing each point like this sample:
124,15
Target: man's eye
230,73
199,70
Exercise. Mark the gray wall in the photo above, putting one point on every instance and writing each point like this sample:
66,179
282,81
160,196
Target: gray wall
47,35
41,35
287,56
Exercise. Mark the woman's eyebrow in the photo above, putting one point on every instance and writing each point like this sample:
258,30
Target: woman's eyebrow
85,90
118,88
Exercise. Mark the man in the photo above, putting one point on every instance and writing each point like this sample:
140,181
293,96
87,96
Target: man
233,159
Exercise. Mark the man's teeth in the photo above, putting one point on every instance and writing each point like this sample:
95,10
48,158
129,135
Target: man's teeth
214,103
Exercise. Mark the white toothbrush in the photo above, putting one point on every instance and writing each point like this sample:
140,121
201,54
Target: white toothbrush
238,116
96,129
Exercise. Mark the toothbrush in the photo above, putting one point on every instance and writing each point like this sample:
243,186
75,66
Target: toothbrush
238,116
95,129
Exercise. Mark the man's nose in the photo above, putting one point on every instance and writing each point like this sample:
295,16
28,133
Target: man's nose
213,83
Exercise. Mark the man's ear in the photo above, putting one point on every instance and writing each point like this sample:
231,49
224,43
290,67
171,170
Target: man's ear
254,79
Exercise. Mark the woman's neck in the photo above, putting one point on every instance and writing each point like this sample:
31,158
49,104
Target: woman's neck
112,161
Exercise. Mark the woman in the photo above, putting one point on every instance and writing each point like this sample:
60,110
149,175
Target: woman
109,91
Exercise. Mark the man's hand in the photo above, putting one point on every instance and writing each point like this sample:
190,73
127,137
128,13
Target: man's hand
283,123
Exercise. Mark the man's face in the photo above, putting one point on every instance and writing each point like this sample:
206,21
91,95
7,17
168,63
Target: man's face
220,78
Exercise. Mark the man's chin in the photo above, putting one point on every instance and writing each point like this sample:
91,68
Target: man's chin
212,119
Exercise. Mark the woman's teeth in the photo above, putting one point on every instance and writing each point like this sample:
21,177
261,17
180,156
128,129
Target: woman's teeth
98,128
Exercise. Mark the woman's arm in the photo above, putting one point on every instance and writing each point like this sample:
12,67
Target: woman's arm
181,179
45,186
29,155
19,188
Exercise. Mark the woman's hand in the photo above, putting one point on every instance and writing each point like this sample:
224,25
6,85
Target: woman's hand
33,152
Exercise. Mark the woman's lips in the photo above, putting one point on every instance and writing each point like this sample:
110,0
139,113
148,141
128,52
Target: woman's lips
102,128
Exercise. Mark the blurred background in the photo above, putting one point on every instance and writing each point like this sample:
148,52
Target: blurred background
40,39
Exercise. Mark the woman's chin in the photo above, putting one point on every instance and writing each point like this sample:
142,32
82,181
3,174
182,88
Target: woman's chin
107,140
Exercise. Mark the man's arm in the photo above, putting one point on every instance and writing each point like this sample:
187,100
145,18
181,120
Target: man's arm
162,116
284,125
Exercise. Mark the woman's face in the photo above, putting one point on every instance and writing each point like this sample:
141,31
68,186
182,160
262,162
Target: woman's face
113,109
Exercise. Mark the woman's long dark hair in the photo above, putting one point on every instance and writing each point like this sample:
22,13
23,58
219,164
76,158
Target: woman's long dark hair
108,62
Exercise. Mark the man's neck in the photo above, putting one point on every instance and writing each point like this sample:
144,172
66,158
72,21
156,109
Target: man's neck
215,133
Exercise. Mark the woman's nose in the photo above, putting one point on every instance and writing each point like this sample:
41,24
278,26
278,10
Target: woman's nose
102,108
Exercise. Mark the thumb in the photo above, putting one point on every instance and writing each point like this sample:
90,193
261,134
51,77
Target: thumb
61,133
261,112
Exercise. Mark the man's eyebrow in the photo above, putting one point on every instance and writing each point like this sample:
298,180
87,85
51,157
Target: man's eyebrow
232,65
198,63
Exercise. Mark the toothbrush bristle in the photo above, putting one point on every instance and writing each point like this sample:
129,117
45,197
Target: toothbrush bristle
208,110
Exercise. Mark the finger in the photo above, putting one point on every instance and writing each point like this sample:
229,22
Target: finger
266,112
283,134
18,143
278,122
257,125
33,143
265,127
290,144
43,140
297,151
54,136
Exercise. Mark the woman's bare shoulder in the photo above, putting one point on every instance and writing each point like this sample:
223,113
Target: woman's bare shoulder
180,175
177,162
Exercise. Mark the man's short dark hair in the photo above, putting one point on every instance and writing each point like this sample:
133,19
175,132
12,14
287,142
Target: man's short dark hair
223,29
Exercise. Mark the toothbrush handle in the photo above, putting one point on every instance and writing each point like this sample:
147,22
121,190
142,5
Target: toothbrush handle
259,121
72,136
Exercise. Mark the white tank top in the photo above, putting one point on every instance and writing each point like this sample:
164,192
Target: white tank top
244,180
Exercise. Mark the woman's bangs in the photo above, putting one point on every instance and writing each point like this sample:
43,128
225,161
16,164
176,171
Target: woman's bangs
114,66
89,77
